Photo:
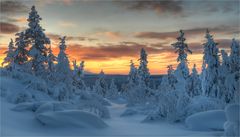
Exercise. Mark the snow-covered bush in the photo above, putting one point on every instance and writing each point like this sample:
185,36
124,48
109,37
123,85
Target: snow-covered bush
203,103
20,97
94,107
232,125
54,106
62,92
27,106
129,112
138,94
112,92
37,84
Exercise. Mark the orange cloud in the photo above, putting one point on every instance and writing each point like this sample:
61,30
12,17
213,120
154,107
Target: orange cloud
114,58
113,35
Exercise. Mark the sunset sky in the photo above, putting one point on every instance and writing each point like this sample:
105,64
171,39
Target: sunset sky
107,34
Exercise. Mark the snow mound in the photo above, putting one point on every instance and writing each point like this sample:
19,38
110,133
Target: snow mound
30,106
54,106
206,121
232,125
71,118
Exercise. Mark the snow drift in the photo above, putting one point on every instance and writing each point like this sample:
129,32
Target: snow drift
73,118
206,121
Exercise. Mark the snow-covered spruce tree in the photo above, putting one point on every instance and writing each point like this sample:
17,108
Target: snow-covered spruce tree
140,92
62,68
168,81
21,52
51,58
38,40
51,68
101,85
193,86
232,79
224,71
234,56
9,59
131,79
112,92
132,76
143,71
179,96
166,98
78,74
182,49
63,73
210,67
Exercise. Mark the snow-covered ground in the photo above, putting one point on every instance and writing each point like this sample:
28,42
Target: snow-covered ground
25,124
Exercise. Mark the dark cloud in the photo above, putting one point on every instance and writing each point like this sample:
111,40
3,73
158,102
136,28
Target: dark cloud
183,8
108,51
160,7
222,6
12,7
197,47
55,37
8,28
189,32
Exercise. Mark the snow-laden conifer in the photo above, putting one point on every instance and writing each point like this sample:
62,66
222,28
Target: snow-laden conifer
37,40
101,85
194,83
210,68
9,59
182,49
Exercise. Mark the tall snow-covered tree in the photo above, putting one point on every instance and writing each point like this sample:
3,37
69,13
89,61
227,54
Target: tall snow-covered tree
9,59
101,85
78,74
182,50
143,71
50,59
235,56
232,79
38,40
224,70
63,71
194,83
21,52
210,68
63,75
132,75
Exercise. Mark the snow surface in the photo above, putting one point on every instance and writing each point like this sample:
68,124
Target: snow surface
17,122
25,124
207,121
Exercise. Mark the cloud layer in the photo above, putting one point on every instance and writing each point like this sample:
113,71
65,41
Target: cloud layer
8,28
12,7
